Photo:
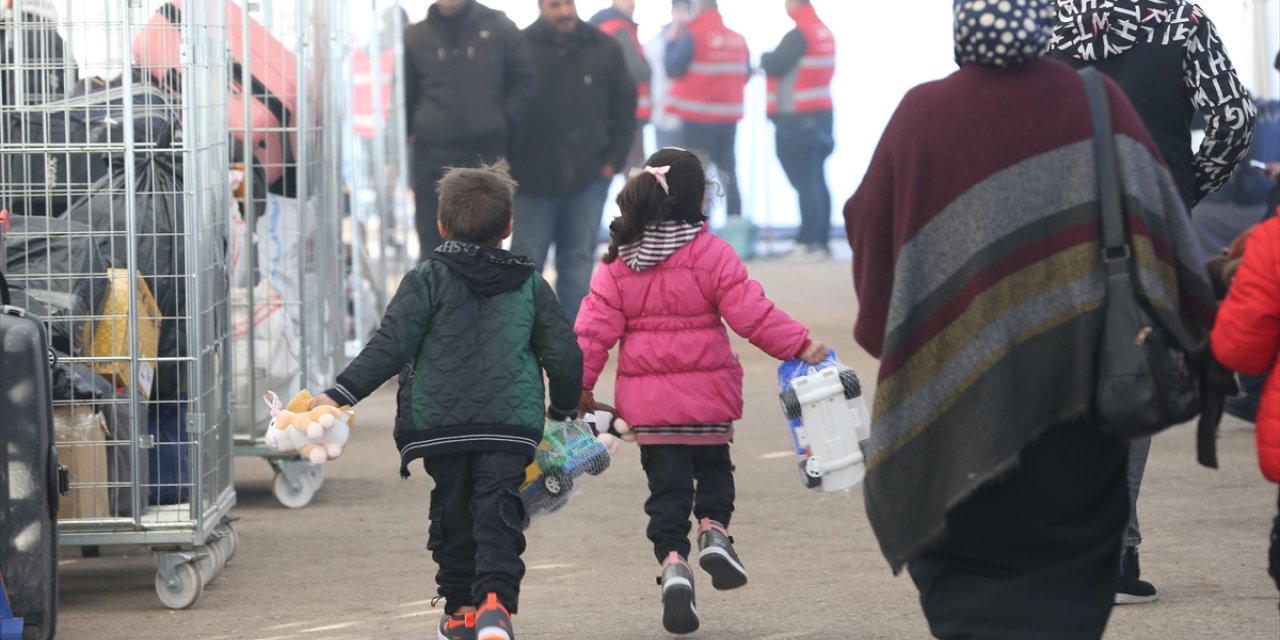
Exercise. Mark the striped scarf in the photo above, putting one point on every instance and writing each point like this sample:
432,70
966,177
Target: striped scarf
661,239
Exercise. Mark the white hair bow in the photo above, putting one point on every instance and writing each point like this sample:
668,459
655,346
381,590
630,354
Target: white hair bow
658,173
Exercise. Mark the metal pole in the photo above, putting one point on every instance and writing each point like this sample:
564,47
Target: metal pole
303,118
131,259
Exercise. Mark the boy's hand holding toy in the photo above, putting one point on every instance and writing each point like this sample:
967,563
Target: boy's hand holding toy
314,427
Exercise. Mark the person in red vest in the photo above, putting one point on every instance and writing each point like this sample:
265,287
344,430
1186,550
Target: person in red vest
710,64
800,72
617,21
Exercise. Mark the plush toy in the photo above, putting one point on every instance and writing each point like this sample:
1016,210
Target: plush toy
317,434
608,426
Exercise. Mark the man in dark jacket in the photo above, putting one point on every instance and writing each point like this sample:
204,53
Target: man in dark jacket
470,331
1167,57
580,129
468,79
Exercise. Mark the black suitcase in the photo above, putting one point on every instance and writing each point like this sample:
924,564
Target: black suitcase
30,478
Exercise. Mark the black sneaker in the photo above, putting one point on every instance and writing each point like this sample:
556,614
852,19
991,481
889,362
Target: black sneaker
717,557
493,622
459,626
679,607
1129,589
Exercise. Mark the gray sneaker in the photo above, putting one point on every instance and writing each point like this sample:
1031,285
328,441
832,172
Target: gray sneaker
717,557
679,607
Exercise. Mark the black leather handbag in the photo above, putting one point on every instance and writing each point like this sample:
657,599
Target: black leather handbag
1148,376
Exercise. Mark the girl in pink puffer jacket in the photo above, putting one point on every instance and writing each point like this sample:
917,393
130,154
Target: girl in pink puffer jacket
665,292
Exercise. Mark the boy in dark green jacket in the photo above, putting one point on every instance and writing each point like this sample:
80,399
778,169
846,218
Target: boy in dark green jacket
470,331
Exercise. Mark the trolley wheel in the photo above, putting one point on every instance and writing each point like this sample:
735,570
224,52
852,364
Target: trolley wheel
90,551
790,404
229,538
185,589
852,386
210,563
317,472
291,497
557,483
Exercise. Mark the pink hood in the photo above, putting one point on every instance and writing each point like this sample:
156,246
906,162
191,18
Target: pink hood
675,365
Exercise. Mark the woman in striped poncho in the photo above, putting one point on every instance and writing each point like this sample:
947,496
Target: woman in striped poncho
980,283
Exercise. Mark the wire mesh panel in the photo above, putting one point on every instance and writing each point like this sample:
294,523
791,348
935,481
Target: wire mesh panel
382,243
288,302
119,244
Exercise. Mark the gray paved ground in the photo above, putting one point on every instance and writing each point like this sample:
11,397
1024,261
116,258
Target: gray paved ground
352,564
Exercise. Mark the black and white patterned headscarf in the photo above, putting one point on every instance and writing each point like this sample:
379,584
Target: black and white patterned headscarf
1002,33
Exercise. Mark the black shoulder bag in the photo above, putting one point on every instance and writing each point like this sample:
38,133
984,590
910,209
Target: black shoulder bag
1147,378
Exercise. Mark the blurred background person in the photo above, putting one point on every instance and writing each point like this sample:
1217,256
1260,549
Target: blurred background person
1168,59
800,70
468,83
710,64
666,124
618,21
582,120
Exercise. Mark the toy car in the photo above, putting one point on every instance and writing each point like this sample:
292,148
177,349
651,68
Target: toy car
567,451
828,419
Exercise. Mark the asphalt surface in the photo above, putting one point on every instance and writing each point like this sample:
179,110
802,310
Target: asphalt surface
352,564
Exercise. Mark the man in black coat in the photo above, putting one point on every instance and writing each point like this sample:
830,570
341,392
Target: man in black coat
576,139
468,81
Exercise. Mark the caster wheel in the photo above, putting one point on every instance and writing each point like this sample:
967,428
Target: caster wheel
229,539
90,551
185,589
210,563
294,497
317,473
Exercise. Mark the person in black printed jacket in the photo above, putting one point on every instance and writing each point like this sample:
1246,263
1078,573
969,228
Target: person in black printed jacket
1168,59
468,78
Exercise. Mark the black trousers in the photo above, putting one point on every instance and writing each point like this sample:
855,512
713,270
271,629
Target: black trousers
1034,554
718,141
684,480
476,536
1273,563
429,165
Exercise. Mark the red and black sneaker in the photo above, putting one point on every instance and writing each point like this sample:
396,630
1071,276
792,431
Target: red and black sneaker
493,622
459,626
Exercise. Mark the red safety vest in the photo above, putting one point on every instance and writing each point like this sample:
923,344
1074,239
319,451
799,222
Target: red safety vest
644,103
807,87
713,88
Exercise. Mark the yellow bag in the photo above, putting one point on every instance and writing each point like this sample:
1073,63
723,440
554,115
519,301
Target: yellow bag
110,337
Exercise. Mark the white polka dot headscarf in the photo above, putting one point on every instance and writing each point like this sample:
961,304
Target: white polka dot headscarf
1002,33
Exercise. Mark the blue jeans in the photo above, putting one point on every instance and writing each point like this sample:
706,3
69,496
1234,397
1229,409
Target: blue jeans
803,142
477,519
572,224
1138,450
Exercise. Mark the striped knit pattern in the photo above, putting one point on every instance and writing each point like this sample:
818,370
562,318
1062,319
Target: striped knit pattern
661,239
687,434
988,294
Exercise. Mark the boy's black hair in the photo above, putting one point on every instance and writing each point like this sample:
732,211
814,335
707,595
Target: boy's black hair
644,202
475,203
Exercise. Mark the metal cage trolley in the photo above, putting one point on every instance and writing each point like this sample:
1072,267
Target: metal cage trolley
288,305
119,243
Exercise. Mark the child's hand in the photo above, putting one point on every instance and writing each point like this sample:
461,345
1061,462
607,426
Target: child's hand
815,353
322,400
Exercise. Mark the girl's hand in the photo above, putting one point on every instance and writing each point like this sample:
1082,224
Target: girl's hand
814,353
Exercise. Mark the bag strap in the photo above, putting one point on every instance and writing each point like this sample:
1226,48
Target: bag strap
1115,246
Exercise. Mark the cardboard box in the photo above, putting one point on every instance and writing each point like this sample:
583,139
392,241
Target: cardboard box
80,436
110,334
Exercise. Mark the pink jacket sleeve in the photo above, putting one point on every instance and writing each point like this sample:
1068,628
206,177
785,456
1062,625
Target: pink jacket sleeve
599,325
1246,333
742,303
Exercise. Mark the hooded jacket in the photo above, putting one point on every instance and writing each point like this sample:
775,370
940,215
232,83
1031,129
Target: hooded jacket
1168,59
679,381
470,331
1246,334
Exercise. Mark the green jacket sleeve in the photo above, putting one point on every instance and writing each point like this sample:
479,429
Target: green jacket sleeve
396,342
556,348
